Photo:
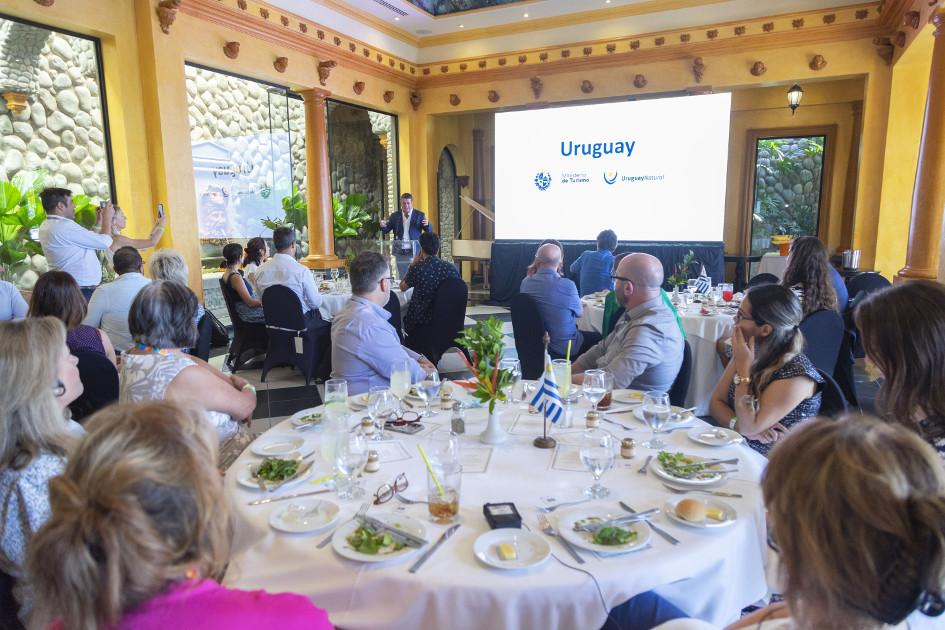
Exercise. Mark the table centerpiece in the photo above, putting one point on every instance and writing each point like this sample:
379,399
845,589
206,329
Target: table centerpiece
484,342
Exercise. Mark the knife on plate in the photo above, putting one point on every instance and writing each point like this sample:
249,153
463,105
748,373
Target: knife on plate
398,534
288,496
622,520
429,552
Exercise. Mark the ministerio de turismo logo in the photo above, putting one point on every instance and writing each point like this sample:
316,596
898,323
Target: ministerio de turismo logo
543,180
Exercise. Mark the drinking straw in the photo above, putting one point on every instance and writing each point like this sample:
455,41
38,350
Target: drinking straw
430,468
568,355
323,479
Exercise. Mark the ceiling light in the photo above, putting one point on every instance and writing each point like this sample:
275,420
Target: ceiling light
461,26
396,19
525,15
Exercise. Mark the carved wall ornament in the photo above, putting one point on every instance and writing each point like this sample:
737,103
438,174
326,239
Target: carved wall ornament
818,63
522,58
759,68
537,86
388,96
639,81
685,37
358,87
352,46
767,27
565,53
166,12
444,69
482,63
366,52
284,20
586,51
280,64
884,48
830,18
232,50
501,61
698,69
454,100
320,34
303,27
901,39
493,96
403,67
391,62
586,86
264,13
426,71
712,34
740,30
415,99
635,44
861,14
337,41
462,67
797,23
543,56
413,70
380,58
611,48
241,4
659,41
324,69
45,3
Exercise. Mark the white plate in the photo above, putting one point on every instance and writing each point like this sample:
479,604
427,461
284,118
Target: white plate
339,542
532,549
280,445
661,472
714,436
585,539
628,396
686,420
727,510
245,478
358,401
297,417
287,518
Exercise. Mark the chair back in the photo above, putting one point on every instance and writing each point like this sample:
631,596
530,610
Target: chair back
680,387
832,402
396,320
286,324
247,336
449,315
204,338
867,281
99,384
843,373
283,309
823,334
228,299
529,330
763,278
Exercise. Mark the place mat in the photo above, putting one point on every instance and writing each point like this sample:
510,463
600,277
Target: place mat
567,457
531,424
390,451
476,459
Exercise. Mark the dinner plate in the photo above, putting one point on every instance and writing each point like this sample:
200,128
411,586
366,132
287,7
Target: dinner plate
532,549
245,476
303,417
280,445
708,481
675,422
629,396
339,542
358,401
319,514
729,513
714,436
585,539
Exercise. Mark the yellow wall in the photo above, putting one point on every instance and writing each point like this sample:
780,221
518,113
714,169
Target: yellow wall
906,111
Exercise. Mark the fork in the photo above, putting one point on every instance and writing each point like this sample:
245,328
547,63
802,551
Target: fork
361,512
606,419
731,495
404,499
550,531
642,469
552,508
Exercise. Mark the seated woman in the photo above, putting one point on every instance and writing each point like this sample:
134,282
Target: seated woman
12,304
902,329
161,322
809,269
140,535
769,386
119,240
56,294
247,307
167,264
255,253
40,379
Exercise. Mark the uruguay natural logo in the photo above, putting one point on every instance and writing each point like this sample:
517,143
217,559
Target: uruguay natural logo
610,179
543,180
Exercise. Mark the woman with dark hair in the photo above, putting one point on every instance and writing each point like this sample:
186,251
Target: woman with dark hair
769,385
902,330
57,294
809,269
256,252
247,306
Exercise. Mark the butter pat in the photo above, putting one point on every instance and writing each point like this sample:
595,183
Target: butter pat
716,514
507,551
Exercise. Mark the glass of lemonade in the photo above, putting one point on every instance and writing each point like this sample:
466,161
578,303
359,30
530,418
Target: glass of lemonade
444,498
400,378
562,371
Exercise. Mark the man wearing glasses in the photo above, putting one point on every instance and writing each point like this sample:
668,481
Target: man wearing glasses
363,342
645,351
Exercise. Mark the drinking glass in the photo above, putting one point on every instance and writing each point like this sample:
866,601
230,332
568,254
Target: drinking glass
656,413
351,452
400,378
515,372
336,390
691,286
561,368
442,448
688,297
598,453
443,497
382,404
334,427
595,387
428,389
727,290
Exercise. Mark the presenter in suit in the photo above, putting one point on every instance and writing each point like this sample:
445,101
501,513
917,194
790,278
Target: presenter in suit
407,226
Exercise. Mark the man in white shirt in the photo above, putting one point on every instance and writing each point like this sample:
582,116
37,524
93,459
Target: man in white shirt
111,302
285,270
70,247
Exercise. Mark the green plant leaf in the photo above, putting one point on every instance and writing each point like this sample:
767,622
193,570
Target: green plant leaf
9,197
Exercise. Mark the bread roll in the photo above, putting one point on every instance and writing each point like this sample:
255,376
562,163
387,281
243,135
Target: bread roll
691,510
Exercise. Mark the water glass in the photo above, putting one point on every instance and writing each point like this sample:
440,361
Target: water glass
336,390
442,448
561,368
382,405
443,493
334,427
400,378
428,389
514,368
656,413
351,452
598,454
595,386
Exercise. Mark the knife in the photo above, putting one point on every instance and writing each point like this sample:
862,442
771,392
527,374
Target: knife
436,545
622,520
659,530
288,496
379,526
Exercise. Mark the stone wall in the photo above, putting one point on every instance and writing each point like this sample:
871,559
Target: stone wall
357,157
788,180
61,130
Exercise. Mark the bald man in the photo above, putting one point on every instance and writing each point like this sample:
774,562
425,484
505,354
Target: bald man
645,351
558,303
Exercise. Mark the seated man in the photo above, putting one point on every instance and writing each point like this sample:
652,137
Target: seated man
594,267
558,303
110,303
284,269
363,342
645,350
425,274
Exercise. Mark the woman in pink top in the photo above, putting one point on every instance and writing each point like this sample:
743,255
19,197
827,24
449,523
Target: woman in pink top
140,531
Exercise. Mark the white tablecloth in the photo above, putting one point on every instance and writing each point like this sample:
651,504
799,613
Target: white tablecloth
711,574
773,263
332,303
702,331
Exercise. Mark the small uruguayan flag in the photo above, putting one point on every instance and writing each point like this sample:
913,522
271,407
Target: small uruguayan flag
703,283
547,400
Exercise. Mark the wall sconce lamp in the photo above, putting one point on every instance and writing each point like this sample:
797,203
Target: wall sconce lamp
794,96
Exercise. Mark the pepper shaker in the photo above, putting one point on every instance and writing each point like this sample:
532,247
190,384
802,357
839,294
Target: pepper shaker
627,448
457,421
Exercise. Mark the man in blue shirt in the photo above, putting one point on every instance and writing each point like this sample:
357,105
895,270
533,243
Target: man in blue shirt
594,267
558,303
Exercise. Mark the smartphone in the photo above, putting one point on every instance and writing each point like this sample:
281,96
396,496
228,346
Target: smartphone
160,210
103,204
409,429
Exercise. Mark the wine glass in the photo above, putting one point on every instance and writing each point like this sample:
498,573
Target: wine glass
598,453
336,390
381,405
515,374
656,413
428,389
595,387
351,452
400,378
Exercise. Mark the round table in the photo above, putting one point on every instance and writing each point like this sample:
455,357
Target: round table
712,574
333,302
702,332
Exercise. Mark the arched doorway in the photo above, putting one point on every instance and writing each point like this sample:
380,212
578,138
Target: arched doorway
447,196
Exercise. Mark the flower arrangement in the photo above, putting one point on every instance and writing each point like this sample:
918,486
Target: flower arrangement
484,342
681,270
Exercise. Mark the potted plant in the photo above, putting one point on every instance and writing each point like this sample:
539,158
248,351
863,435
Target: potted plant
484,343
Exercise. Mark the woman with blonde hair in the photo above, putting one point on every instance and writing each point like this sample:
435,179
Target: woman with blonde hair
140,533
40,379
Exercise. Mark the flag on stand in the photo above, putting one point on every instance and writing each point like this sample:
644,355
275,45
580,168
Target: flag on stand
703,283
547,400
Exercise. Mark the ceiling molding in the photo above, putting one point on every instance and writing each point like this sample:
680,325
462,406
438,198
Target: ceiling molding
372,21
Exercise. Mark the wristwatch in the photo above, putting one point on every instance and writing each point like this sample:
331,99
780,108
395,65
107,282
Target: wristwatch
738,380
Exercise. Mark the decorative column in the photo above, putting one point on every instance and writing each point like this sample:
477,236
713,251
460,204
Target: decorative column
853,170
928,198
321,225
479,183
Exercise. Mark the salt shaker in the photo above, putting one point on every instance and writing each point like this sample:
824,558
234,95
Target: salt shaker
457,421
627,448
592,419
367,426
373,462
